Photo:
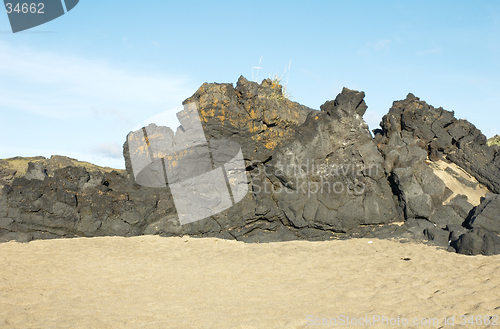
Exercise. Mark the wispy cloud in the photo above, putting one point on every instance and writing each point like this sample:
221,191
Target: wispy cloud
427,52
155,43
89,105
60,86
111,114
378,46
109,149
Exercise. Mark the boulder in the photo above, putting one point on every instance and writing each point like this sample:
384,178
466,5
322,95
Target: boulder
461,205
455,232
478,241
445,216
486,215
437,236
256,116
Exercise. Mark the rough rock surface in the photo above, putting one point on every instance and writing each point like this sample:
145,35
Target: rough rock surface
311,174
478,241
331,171
74,202
486,215
414,133
440,134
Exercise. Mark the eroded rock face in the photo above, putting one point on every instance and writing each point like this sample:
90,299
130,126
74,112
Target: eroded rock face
413,122
414,133
310,173
407,131
330,174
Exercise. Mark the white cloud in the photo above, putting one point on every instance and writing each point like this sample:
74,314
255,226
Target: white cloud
92,101
55,85
109,149
155,43
111,114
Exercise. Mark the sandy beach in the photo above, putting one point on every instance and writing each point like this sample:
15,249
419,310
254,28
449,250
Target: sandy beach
155,282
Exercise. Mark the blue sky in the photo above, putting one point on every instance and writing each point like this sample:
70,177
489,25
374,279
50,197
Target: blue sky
77,85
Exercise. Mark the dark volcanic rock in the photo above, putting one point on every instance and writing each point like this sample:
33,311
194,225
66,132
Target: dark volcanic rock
461,205
440,134
330,174
478,242
7,175
437,236
413,132
471,152
486,215
444,216
311,173
455,232
74,202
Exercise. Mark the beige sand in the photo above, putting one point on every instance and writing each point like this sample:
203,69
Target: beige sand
154,282
473,194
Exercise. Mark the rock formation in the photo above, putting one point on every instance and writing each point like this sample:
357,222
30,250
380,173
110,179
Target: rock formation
413,134
311,175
